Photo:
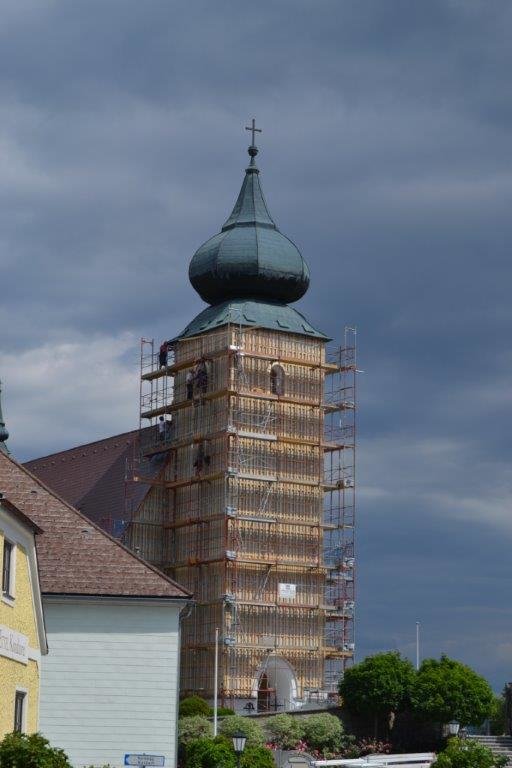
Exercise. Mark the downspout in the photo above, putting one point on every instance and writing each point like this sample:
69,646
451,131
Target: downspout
184,614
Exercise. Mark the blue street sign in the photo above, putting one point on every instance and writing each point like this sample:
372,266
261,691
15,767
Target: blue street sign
144,761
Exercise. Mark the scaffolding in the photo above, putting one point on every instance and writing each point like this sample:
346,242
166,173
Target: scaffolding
252,506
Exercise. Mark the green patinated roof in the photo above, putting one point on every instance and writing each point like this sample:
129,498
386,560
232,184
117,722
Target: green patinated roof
250,207
251,313
249,257
250,271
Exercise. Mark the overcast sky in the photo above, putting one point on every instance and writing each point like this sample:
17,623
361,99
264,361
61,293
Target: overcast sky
385,155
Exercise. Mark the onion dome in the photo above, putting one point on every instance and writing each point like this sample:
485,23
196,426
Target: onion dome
4,434
250,257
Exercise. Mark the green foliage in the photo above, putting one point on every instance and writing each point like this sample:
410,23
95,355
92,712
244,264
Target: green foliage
251,728
285,731
30,751
257,757
219,753
193,728
194,705
448,690
468,754
379,685
499,716
323,732
224,712
210,753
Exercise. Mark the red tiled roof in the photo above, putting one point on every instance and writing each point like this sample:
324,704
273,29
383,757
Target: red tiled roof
75,556
91,477
18,514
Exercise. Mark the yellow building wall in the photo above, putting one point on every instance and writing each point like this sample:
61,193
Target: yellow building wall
20,616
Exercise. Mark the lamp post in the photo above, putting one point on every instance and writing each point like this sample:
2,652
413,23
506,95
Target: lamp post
239,739
453,727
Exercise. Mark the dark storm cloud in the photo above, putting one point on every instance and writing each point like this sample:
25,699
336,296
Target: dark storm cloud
385,156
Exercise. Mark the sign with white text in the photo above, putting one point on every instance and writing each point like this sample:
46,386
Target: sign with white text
287,591
144,760
13,645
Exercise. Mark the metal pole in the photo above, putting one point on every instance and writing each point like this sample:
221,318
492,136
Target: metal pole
417,645
215,681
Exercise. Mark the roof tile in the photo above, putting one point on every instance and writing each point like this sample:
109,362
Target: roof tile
75,556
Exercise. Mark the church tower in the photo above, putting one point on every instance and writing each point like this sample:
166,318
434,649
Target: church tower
252,418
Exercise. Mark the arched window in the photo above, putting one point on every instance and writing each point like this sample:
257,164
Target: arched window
200,375
277,377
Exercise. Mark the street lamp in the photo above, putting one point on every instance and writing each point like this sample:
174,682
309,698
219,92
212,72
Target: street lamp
453,727
239,739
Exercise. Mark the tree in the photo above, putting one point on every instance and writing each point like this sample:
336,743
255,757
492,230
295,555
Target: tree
251,728
499,716
379,686
468,754
448,690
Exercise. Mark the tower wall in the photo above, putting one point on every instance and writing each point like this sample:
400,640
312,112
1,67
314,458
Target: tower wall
238,515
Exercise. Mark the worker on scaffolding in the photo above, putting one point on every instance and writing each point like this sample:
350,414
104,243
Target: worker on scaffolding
201,376
189,383
163,354
162,429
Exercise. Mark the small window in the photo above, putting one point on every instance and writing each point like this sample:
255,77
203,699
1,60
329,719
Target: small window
277,376
7,574
19,711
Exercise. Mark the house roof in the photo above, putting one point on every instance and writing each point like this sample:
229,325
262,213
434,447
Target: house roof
91,477
19,515
75,556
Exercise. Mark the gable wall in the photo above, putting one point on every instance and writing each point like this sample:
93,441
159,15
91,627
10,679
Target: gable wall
109,684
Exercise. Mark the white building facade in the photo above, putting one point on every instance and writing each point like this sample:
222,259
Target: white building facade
113,673
109,689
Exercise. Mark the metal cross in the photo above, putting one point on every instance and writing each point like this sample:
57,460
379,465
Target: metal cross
253,130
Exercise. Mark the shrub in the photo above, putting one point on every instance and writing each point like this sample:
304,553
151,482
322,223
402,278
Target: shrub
251,728
30,751
193,728
373,747
210,753
219,753
468,754
285,731
323,732
194,705
224,711
257,757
